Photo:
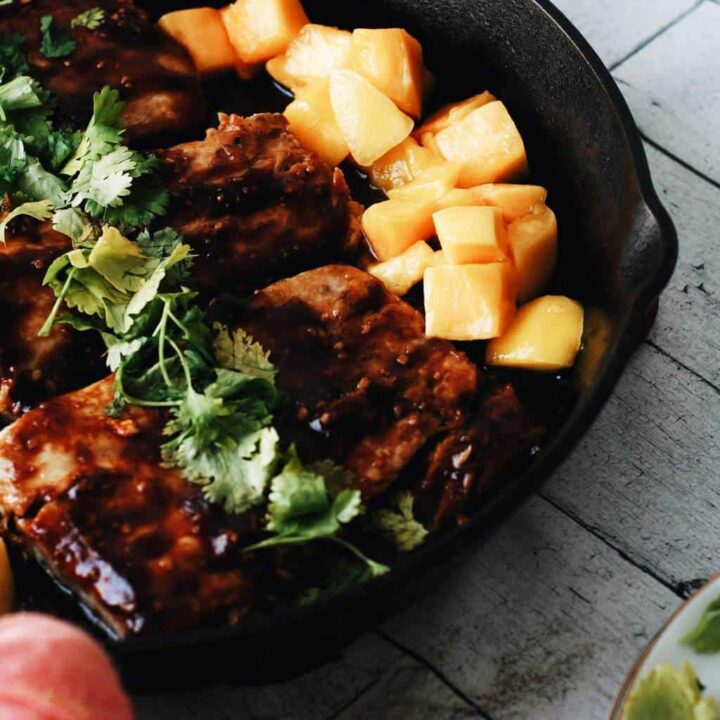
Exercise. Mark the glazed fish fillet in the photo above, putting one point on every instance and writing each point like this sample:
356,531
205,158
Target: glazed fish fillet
257,206
155,76
369,389
87,496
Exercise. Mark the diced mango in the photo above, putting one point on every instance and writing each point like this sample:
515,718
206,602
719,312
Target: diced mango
313,54
391,227
430,185
488,145
261,29
406,270
449,114
370,121
533,242
202,33
469,302
402,165
545,335
515,201
312,121
7,584
471,235
392,60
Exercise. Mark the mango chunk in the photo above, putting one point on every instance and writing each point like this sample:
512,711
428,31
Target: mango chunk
515,201
451,113
392,60
401,165
533,242
469,302
471,235
391,227
313,54
430,185
545,335
370,121
202,33
406,270
312,121
487,144
7,584
261,29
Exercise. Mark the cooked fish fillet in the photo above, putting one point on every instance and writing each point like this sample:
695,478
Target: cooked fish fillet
156,77
32,368
256,205
86,494
372,391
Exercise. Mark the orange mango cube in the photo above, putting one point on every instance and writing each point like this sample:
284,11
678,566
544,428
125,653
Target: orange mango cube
261,29
312,121
370,121
406,270
391,227
202,33
515,201
430,185
487,144
469,302
533,242
392,60
401,165
545,335
313,54
471,235
449,114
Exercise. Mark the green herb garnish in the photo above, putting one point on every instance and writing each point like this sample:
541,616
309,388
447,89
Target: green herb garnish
705,637
398,524
54,43
91,19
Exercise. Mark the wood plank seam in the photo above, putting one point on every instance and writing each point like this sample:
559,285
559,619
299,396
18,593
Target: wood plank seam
436,672
682,365
676,588
672,156
357,696
656,35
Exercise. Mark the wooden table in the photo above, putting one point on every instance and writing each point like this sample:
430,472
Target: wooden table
544,620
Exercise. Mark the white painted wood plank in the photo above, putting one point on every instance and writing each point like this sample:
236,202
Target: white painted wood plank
688,326
542,622
616,27
673,89
409,691
646,476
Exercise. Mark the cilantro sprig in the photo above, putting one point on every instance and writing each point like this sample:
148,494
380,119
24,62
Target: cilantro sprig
91,19
91,171
54,42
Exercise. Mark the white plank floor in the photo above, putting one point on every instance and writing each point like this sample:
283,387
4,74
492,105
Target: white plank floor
544,619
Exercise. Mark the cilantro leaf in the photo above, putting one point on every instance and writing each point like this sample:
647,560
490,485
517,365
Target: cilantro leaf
302,510
240,352
106,180
399,525
39,184
41,210
705,637
55,43
91,19
74,224
21,93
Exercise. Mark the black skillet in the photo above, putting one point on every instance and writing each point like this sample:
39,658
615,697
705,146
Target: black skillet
618,250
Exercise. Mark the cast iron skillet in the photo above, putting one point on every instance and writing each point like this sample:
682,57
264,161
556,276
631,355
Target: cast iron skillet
618,250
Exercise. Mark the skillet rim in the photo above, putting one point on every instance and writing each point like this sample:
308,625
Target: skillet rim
631,332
